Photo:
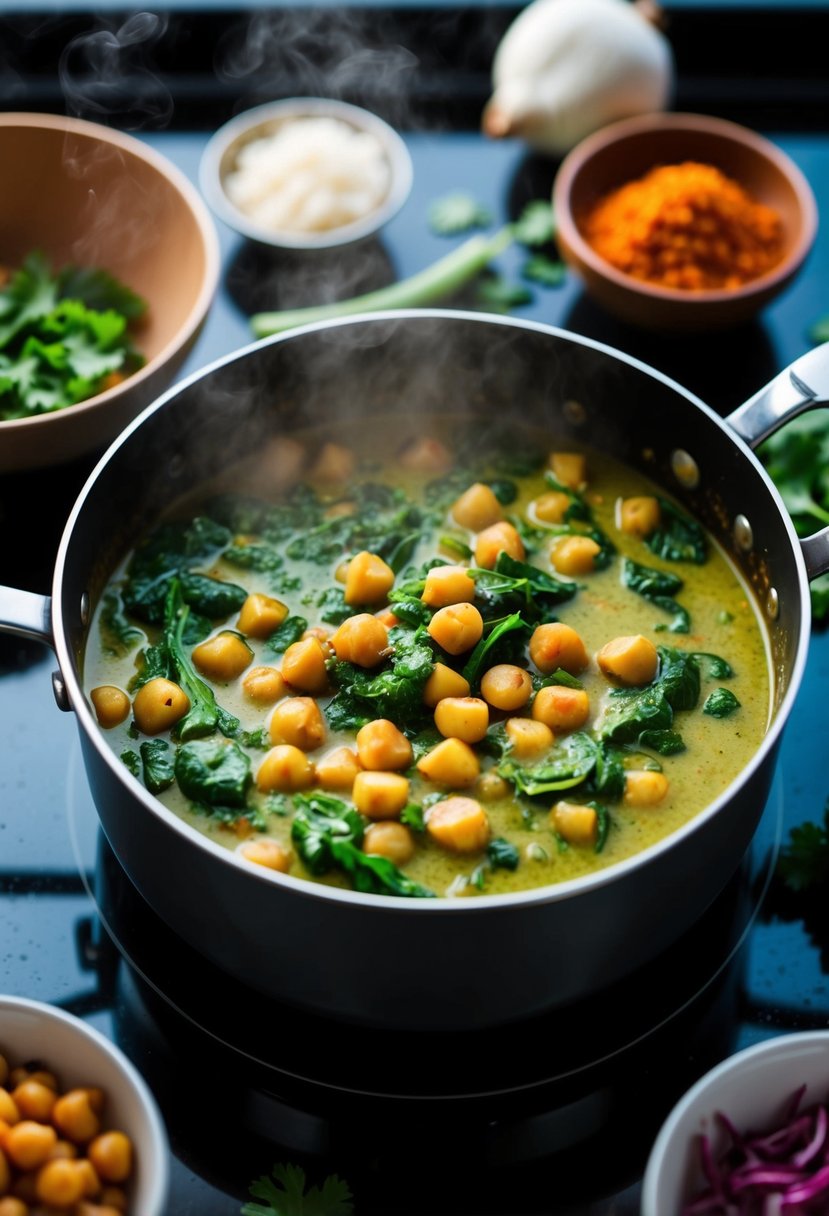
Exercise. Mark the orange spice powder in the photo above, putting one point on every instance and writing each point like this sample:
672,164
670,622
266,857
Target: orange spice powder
685,226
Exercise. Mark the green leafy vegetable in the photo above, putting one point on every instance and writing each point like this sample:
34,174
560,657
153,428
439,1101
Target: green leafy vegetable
544,271
456,213
679,538
61,337
500,295
632,712
213,771
285,1194
158,765
118,634
328,834
131,760
567,765
536,224
483,651
717,667
804,861
394,691
502,854
720,703
290,631
658,587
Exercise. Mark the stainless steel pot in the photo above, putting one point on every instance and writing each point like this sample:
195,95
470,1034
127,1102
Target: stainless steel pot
436,964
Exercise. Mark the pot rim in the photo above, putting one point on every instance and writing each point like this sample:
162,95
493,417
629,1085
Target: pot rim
440,905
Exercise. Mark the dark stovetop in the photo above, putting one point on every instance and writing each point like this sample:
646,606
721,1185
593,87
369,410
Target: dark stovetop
554,1144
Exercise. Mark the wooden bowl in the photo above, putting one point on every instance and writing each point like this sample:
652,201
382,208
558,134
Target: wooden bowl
93,197
626,151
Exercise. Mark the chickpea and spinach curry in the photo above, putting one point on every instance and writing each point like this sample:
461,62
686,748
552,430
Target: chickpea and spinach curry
442,674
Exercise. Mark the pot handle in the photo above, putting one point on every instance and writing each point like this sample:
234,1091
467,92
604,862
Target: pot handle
26,615
802,386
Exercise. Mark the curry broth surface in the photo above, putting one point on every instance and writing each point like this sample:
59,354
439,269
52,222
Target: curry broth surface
724,621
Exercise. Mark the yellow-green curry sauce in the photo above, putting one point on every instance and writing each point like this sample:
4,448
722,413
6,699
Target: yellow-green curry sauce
724,621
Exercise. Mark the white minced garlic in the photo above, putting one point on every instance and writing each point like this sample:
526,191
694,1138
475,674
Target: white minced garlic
309,175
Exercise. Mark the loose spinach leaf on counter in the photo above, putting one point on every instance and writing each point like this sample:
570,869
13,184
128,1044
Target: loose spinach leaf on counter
285,1194
214,772
658,587
328,834
679,538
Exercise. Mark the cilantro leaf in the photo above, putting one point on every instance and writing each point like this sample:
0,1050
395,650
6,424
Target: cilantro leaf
535,225
456,213
285,1194
543,270
804,861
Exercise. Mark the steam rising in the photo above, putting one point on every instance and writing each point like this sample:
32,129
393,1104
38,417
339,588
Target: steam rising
107,75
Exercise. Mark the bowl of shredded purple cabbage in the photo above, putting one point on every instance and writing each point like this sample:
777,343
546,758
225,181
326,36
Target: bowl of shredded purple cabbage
750,1138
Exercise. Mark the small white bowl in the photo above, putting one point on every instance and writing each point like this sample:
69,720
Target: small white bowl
753,1089
81,1056
219,160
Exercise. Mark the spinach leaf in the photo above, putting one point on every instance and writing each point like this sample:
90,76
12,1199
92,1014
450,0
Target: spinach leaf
168,658
327,834
130,759
333,607
502,854
559,676
568,764
484,650
678,677
212,597
169,553
505,490
658,587
679,538
720,703
630,712
118,634
394,691
411,610
666,742
516,586
213,772
290,631
609,776
718,668
158,765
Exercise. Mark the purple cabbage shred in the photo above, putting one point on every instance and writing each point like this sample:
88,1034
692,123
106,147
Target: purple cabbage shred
782,1171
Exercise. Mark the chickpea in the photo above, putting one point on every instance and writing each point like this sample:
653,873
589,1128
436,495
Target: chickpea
426,455
490,787
91,1181
380,795
298,721
28,1144
334,463
477,508
557,645
10,1205
551,508
459,824
64,1149
44,1077
34,1100
576,824
268,853
303,665
281,463
389,839
337,770
456,628
260,615
444,682
111,705
75,1116
380,745
111,1155
629,660
114,1197
60,1183
575,555
639,516
500,538
264,684
465,718
644,788
528,738
448,585
8,1108
362,639
158,705
96,1209
386,617
452,763
561,708
285,769
223,657
569,469
506,686
369,579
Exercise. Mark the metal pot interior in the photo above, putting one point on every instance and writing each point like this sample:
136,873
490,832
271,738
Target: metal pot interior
413,365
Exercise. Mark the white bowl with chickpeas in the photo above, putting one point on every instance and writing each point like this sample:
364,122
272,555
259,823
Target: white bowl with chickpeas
80,1131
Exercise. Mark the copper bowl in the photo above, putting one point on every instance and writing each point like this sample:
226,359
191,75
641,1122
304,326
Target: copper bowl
87,195
625,151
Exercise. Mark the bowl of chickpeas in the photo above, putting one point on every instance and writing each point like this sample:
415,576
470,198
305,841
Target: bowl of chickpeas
80,1132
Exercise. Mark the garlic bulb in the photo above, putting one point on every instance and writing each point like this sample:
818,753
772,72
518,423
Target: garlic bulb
565,68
